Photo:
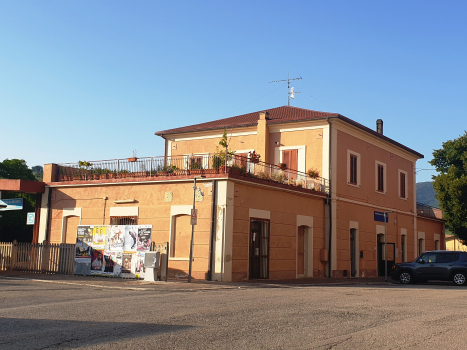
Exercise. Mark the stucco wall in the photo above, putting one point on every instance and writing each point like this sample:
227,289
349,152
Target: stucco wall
284,208
366,191
153,210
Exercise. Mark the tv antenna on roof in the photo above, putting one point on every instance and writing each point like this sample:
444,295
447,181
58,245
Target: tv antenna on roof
291,90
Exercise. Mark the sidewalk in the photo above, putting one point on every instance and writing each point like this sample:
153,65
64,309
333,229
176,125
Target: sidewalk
183,285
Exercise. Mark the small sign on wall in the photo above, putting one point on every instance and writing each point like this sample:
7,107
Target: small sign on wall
30,219
379,216
168,197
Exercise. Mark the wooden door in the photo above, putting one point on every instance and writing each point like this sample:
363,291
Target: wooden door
290,158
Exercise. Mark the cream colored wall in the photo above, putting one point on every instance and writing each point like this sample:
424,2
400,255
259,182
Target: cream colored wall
152,211
312,139
453,243
182,146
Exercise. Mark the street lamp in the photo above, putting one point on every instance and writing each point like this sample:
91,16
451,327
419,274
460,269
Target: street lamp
385,248
193,211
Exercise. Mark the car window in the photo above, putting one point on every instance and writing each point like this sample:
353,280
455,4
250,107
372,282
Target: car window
447,257
428,258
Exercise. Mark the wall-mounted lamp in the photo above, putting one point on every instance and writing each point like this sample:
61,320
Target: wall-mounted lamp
277,143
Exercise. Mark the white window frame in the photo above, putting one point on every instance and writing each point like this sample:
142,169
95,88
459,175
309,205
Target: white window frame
399,185
186,158
301,157
349,152
377,163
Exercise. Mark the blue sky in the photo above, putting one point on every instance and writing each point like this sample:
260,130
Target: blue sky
92,80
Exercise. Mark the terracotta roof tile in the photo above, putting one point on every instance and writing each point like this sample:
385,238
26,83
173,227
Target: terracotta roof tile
275,115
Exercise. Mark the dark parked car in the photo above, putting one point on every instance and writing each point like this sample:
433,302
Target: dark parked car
441,265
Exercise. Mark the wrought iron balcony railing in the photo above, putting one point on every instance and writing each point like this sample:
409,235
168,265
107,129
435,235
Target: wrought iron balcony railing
186,166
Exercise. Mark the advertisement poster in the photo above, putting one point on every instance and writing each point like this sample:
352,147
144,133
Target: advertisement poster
130,238
116,250
139,265
144,238
97,262
98,238
85,234
115,238
117,262
128,264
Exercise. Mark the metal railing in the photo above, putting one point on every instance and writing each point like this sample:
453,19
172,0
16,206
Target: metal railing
429,211
189,165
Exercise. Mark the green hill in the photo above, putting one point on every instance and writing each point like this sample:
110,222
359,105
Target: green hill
426,194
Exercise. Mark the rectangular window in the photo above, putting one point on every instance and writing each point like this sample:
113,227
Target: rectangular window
380,178
124,220
353,169
402,183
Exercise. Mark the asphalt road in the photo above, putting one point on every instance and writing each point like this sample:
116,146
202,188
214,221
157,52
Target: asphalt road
39,315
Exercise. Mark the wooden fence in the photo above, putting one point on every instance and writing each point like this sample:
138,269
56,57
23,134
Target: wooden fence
56,258
38,258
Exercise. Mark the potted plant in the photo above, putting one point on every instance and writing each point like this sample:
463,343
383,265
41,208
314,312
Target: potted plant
282,166
254,157
134,158
313,173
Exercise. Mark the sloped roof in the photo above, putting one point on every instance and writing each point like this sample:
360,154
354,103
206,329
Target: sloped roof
284,114
275,115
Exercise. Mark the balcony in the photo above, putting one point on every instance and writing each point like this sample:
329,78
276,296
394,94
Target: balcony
169,167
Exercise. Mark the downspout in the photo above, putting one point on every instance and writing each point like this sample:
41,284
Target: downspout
49,215
330,197
213,229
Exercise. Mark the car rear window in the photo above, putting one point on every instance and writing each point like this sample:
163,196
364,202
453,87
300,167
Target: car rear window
448,257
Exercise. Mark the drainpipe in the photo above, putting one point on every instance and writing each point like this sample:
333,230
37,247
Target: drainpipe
330,198
213,229
49,216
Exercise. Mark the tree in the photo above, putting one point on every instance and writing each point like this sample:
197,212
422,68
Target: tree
38,172
13,222
16,169
451,183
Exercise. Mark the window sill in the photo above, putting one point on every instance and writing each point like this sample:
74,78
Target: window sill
354,185
405,199
385,193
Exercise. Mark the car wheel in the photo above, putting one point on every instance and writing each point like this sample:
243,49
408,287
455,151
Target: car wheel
459,278
405,277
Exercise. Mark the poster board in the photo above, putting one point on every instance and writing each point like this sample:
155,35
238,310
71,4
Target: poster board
112,250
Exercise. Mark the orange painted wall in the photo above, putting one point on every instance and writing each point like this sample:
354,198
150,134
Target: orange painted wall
430,227
152,211
284,208
367,237
369,154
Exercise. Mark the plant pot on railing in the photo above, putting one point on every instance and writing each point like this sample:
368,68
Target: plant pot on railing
282,166
132,159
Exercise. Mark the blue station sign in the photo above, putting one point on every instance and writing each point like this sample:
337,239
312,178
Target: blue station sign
379,216
11,204
31,218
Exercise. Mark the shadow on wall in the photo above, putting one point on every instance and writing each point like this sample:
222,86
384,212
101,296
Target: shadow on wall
66,334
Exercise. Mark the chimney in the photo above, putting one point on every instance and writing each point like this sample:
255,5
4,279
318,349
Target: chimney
263,115
379,126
